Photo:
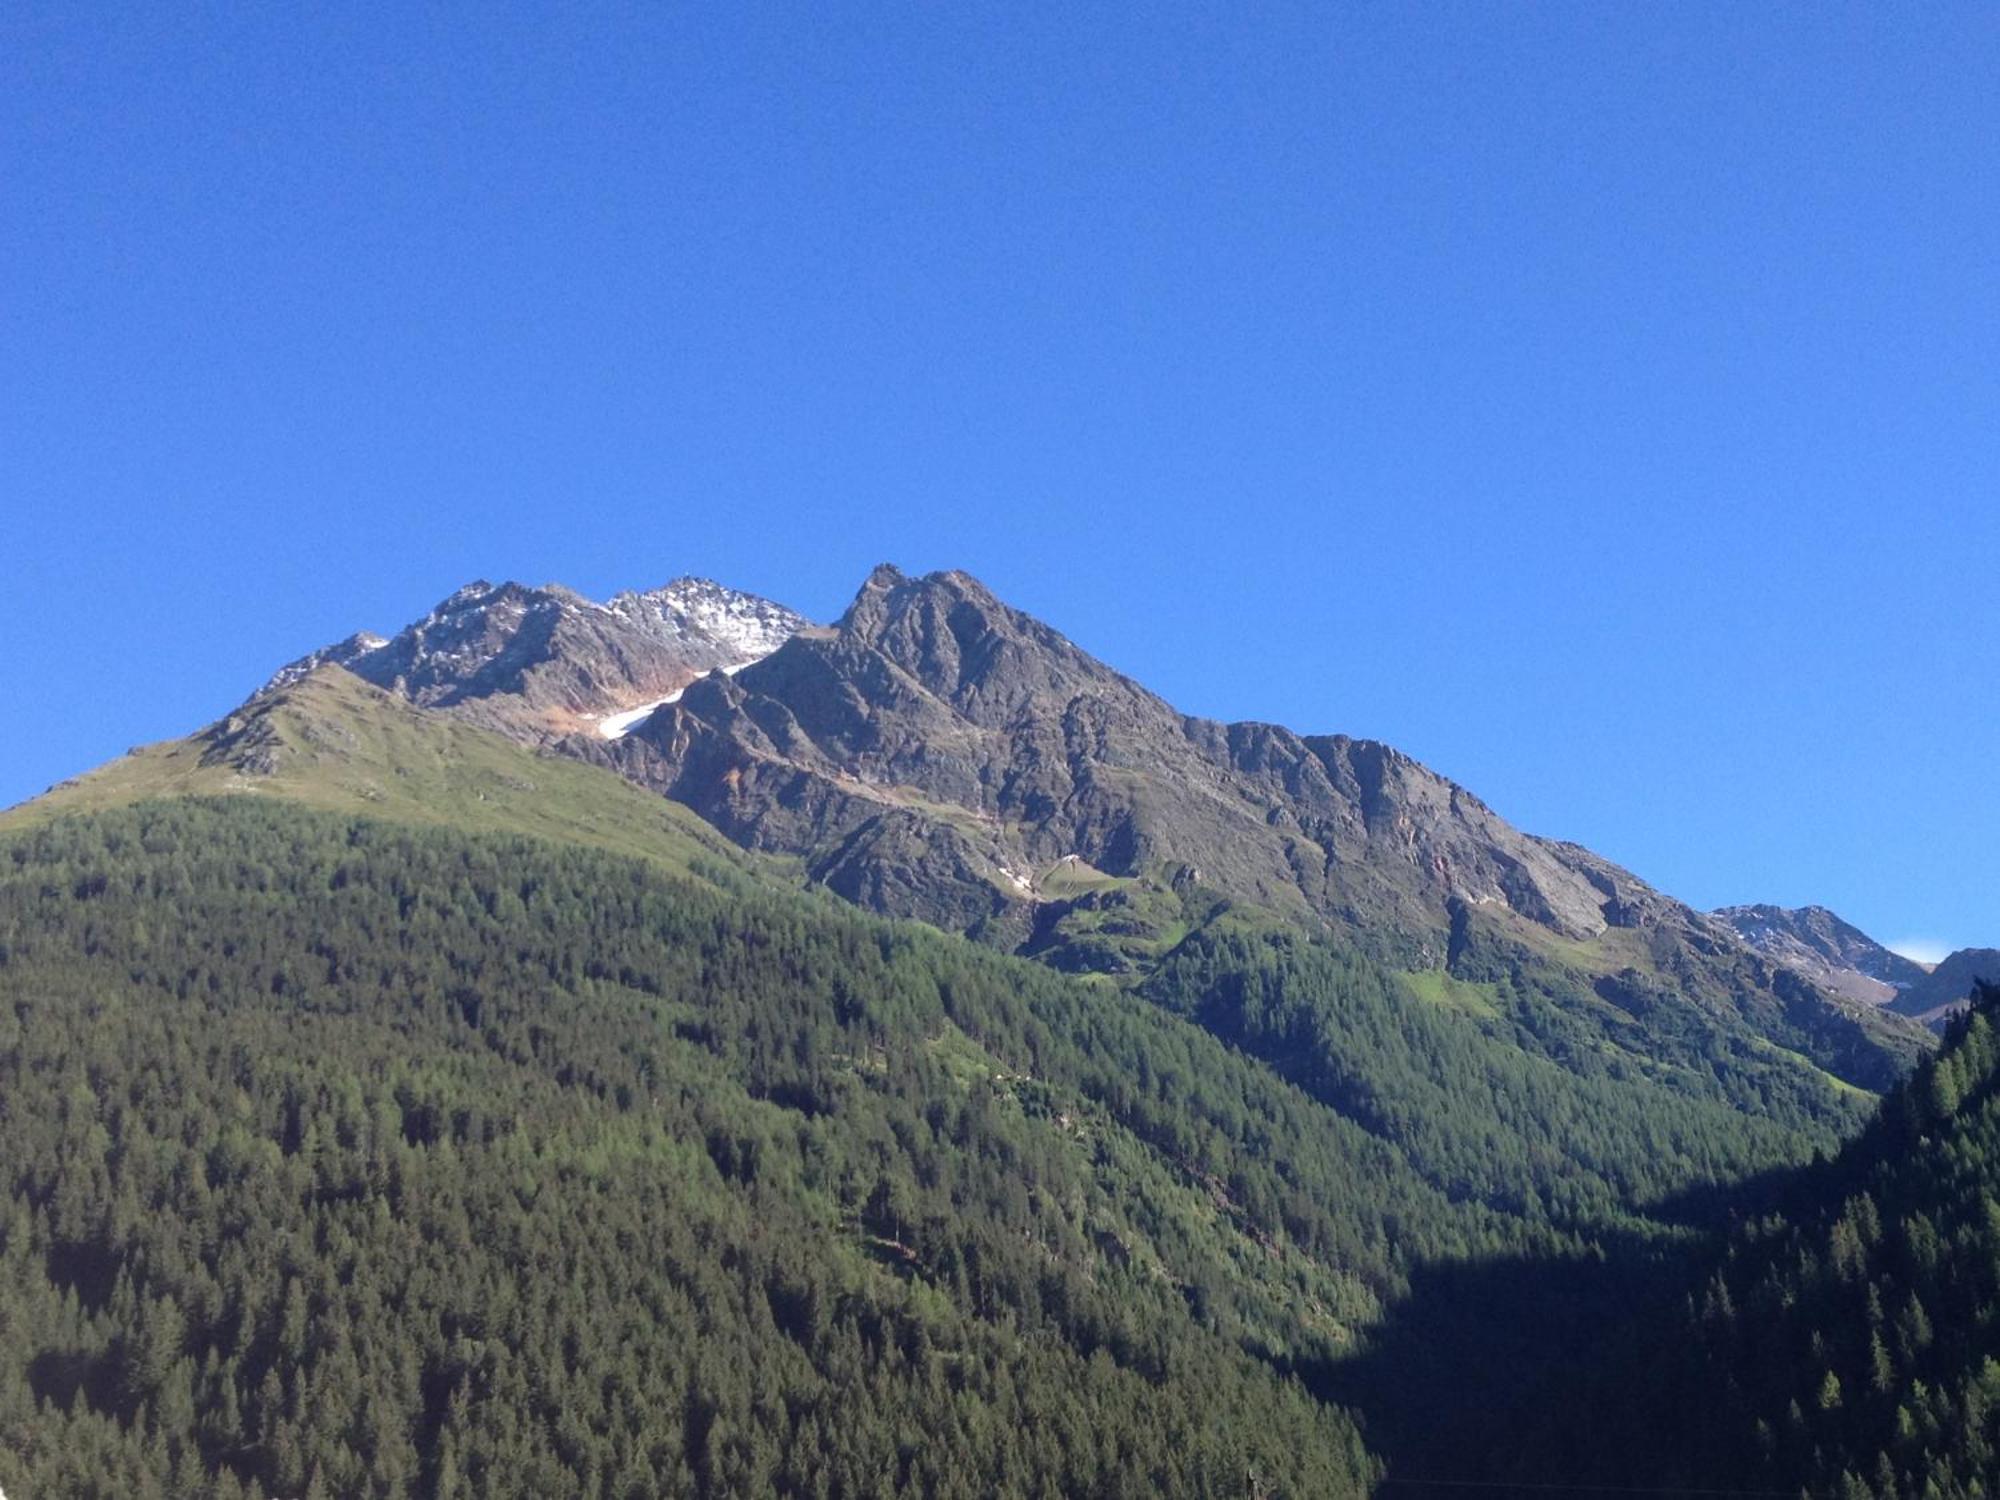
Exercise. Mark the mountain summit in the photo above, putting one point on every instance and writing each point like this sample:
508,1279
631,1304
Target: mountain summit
1831,952
1841,958
535,662
939,754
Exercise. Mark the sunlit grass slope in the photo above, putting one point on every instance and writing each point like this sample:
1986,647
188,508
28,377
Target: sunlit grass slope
333,742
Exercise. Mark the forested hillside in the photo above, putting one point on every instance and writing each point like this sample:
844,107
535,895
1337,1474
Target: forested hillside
351,1159
1837,1334
1849,1344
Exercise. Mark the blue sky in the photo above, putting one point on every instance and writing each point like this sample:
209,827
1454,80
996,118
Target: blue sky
1600,402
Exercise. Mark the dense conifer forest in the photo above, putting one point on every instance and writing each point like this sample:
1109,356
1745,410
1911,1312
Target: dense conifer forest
1834,1331
350,1159
1847,1343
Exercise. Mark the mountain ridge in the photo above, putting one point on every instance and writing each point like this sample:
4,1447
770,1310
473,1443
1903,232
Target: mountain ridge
1837,955
933,689
330,741
1825,947
938,754
533,662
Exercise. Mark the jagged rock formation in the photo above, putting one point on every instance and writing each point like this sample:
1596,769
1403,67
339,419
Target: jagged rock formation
536,662
1834,954
938,754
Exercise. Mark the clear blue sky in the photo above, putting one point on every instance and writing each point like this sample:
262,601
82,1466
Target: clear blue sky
1601,402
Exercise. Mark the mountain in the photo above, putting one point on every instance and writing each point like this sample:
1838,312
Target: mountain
941,755
1843,960
938,754
1946,989
413,1100
537,662
1832,953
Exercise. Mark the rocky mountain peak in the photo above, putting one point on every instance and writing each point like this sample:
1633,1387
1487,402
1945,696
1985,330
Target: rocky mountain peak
941,754
953,637
468,595
1833,953
536,662
739,627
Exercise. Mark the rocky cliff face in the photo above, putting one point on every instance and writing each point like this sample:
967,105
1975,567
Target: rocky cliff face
1832,953
938,754
539,662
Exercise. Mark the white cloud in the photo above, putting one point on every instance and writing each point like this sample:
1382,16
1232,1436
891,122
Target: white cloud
1922,950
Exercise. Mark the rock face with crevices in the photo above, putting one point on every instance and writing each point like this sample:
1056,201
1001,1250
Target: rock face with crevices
940,755
1834,954
535,663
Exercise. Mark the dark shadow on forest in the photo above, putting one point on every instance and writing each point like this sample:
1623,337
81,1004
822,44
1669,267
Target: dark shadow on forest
1518,1374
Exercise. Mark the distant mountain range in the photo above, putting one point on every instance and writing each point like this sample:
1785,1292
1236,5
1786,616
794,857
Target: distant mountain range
1833,952
1844,960
1944,991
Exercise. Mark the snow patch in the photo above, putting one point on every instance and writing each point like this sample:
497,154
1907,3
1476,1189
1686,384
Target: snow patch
741,625
617,726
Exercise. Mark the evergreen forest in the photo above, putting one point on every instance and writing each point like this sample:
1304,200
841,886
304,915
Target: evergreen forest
349,1158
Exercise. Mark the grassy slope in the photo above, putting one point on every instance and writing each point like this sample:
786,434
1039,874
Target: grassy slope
335,743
